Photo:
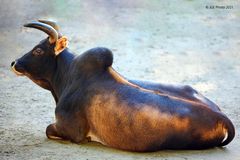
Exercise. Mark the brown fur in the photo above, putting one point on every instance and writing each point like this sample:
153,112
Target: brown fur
218,131
122,127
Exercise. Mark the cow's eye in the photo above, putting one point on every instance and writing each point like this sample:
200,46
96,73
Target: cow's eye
38,52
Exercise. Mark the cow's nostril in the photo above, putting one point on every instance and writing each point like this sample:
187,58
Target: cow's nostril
13,63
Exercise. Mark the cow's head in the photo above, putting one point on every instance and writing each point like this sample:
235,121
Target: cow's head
40,63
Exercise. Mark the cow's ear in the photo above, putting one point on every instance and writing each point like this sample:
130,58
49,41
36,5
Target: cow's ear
60,45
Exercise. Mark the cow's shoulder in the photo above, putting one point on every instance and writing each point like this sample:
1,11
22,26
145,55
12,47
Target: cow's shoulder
94,59
100,55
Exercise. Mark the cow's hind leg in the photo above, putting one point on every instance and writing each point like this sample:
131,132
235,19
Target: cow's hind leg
52,133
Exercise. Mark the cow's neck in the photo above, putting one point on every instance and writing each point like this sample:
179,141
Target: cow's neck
59,79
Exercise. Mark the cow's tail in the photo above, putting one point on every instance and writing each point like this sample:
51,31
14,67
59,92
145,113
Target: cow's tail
230,131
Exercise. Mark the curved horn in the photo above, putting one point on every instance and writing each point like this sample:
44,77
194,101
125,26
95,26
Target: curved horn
53,35
51,23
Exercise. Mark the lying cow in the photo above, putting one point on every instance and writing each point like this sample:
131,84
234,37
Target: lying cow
95,103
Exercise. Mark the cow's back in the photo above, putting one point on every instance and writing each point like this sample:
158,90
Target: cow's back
130,119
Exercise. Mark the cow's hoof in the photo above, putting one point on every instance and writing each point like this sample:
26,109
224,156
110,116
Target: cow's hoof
51,132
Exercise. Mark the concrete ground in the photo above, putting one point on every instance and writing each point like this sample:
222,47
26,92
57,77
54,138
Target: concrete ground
170,42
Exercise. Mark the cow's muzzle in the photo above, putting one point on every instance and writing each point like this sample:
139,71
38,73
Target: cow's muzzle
17,70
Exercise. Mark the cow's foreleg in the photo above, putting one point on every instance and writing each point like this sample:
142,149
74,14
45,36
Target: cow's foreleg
52,133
